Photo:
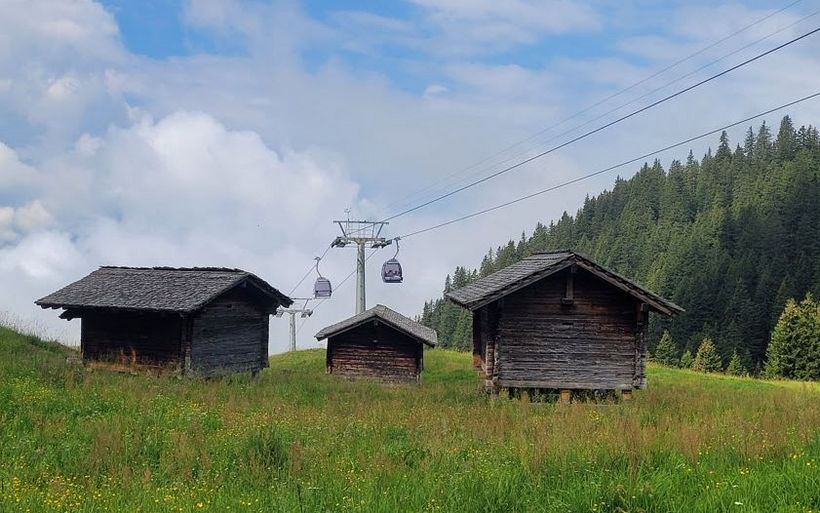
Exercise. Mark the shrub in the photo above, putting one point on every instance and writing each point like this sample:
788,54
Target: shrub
707,359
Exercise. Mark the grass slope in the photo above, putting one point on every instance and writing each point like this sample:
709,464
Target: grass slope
298,440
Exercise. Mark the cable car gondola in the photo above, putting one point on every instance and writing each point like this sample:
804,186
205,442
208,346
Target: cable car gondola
321,287
391,270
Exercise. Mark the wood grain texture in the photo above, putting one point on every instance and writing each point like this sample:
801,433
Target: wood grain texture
567,331
230,334
375,350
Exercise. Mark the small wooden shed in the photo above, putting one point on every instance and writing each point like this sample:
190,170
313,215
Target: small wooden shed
559,321
206,321
377,343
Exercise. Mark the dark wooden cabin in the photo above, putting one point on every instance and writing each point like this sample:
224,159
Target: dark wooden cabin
558,321
377,343
206,321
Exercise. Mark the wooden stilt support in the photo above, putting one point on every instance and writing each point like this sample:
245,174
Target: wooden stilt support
566,396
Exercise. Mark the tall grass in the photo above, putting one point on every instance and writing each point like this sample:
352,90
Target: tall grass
296,439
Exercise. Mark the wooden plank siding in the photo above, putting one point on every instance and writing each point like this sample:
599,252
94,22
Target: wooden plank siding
229,334
151,339
375,350
570,330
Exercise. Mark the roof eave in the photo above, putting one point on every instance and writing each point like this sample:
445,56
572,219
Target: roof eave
70,306
658,304
513,287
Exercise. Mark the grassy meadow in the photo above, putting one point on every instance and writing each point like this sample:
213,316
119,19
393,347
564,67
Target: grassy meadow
298,440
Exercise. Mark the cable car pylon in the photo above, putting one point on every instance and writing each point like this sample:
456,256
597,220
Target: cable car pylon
303,312
362,234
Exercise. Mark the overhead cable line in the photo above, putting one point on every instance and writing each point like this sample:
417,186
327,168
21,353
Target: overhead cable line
610,168
605,126
610,97
660,88
590,107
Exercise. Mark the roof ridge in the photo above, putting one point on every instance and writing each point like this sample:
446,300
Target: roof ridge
554,252
169,268
398,320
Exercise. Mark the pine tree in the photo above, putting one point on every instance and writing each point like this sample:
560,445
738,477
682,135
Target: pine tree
666,352
794,351
735,366
707,358
686,360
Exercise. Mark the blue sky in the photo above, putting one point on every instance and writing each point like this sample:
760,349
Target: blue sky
158,29
231,132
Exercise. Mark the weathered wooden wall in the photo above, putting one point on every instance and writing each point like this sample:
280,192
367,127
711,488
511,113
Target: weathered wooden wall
230,334
546,341
149,338
376,351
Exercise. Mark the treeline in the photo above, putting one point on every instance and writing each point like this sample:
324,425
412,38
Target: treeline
730,237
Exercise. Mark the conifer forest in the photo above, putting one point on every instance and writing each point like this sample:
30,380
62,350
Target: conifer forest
730,237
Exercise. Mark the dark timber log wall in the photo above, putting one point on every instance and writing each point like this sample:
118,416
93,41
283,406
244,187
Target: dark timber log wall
150,338
230,334
546,340
377,351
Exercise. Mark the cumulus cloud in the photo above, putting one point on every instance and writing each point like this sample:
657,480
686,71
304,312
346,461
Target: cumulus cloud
183,190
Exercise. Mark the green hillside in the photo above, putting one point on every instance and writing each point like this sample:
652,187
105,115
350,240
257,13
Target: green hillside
729,237
296,439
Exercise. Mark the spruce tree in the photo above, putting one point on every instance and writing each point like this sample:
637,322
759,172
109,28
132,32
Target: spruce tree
686,360
707,358
794,351
666,352
735,366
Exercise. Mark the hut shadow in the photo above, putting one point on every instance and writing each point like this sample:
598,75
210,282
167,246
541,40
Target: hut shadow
552,396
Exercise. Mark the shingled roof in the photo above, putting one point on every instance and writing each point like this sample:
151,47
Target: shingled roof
540,265
388,316
157,289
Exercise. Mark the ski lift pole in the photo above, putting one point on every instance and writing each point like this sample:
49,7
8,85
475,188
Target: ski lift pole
292,331
361,299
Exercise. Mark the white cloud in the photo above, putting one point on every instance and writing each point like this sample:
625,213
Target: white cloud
15,176
434,90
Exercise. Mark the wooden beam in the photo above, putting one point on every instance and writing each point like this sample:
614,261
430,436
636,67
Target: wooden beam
566,396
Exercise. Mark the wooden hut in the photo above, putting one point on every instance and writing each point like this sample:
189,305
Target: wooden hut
205,321
559,321
378,343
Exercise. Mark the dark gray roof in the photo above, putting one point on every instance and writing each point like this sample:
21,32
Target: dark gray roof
160,289
391,317
540,265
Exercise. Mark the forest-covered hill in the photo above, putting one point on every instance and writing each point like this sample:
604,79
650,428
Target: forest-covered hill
729,237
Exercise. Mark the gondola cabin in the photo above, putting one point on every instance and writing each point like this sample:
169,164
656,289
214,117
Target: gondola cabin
204,321
377,343
391,271
558,321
